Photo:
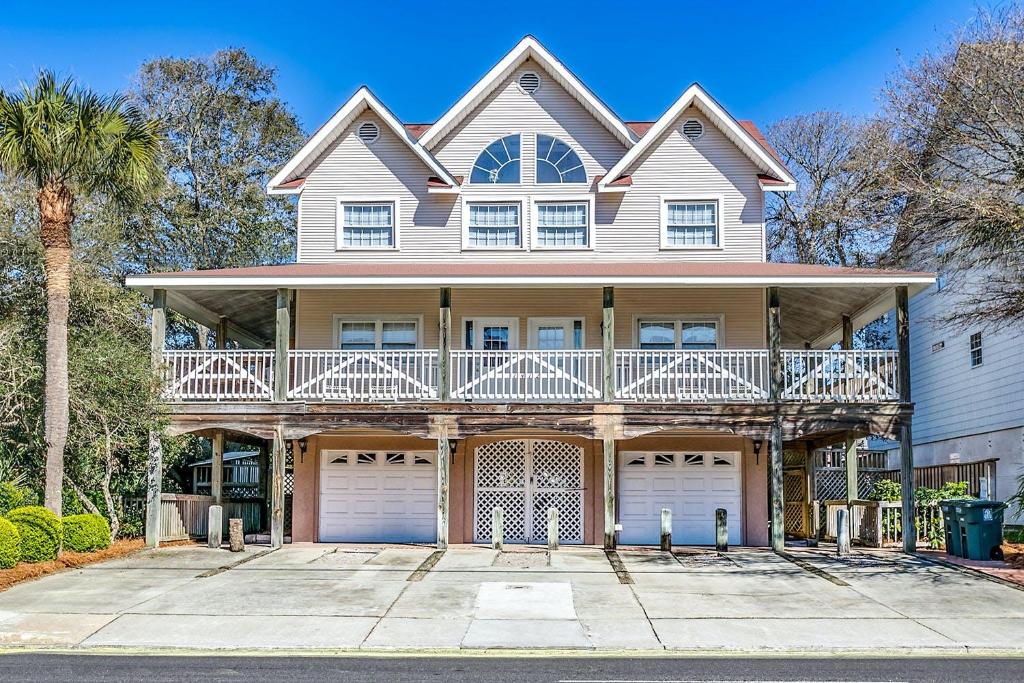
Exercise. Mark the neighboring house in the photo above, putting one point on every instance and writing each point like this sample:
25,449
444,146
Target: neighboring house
532,304
968,390
241,477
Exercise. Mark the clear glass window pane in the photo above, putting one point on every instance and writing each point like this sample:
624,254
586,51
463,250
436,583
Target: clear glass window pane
358,336
557,162
657,335
498,163
495,338
550,337
692,224
562,225
699,336
398,335
368,225
494,225
577,334
469,334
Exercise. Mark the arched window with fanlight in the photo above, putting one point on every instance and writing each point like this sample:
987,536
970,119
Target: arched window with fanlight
557,163
498,164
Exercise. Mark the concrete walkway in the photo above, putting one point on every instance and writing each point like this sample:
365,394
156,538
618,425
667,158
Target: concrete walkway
328,598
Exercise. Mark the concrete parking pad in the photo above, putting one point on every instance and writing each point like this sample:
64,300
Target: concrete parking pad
414,634
522,634
49,629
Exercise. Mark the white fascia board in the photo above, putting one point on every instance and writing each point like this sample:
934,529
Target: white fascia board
326,282
273,191
363,98
721,118
788,187
528,47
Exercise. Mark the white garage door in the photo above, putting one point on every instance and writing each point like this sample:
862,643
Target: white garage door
378,497
691,484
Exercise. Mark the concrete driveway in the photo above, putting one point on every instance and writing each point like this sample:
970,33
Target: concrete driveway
320,597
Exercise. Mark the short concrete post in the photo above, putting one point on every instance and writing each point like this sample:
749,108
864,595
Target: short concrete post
721,530
666,529
236,538
497,528
215,526
552,528
842,532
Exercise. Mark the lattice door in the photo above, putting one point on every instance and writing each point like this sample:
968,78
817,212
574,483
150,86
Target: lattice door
525,478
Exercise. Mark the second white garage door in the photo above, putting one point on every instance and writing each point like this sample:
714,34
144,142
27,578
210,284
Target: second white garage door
378,497
691,484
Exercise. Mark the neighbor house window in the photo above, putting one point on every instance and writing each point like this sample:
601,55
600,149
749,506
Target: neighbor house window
498,164
678,334
368,225
557,163
563,225
361,335
494,226
976,352
691,224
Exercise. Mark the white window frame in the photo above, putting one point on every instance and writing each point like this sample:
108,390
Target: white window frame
717,319
980,348
511,322
707,197
533,323
378,321
519,199
536,145
339,225
587,199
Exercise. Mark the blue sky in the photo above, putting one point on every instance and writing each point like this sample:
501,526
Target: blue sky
763,60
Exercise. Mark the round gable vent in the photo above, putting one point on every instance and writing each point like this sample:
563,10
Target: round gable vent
368,132
693,129
529,82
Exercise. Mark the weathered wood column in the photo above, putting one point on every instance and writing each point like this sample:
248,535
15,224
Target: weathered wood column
217,468
608,344
775,389
444,456
811,465
222,332
444,344
609,490
281,338
155,466
906,431
850,455
277,489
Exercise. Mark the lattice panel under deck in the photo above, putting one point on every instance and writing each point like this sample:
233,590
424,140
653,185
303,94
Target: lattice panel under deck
570,518
513,506
501,465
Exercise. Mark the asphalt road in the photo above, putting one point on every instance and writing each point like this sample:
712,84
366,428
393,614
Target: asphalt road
55,667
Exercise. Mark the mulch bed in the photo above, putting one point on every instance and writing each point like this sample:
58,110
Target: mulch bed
1013,554
26,571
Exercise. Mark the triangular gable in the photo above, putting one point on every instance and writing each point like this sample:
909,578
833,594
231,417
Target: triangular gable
740,135
528,48
363,99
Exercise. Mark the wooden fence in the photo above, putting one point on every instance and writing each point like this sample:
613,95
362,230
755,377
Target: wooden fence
980,476
879,524
185,515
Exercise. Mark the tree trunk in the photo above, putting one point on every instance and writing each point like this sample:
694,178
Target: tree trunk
108,473
56,213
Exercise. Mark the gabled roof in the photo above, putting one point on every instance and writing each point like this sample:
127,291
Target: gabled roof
528,48
753,145
363,99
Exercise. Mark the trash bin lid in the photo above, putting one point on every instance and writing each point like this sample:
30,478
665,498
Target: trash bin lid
971,503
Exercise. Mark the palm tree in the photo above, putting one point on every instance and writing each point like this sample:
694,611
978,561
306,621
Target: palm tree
70,142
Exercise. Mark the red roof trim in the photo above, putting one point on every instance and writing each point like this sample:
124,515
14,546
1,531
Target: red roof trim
769,180
291,184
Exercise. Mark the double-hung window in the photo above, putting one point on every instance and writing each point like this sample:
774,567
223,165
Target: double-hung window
367,225
691,224
385,334
563,225
496,225
977,354
667,334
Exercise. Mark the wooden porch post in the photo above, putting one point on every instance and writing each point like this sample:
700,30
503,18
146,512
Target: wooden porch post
281,337
222,332
609,491
776,385
851,443
444,351
811,465
155,467
906,433
277,490
217,468
608,348
847,333
444,454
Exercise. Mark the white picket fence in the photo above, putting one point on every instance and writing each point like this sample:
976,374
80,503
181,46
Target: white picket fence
542,376
367,376
691,376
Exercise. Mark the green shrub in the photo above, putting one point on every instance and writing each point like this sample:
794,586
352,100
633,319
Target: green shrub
41,532
885,489
10,544
14,496
83,533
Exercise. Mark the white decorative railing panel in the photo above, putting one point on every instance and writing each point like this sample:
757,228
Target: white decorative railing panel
540,376
691,376
364,376
220,375
842,376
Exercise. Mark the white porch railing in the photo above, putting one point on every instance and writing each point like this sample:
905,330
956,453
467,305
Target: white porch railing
842,376
364,376
542,376
220,375
691,376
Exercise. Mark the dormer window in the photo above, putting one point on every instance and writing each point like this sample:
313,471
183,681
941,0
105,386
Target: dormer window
557,163
498,164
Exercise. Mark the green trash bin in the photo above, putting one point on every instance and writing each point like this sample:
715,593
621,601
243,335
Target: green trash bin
981,529
951,522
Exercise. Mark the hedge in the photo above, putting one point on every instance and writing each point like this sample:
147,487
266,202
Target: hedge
41,532
10,544
14,496
83,533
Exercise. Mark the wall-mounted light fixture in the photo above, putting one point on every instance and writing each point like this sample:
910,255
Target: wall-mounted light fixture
757,451
452,445
303,445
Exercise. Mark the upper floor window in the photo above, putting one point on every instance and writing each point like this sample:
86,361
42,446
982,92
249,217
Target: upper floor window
494,226
367,225
367,334
498,163
563,225
678,334
557,163
691,223
977,355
